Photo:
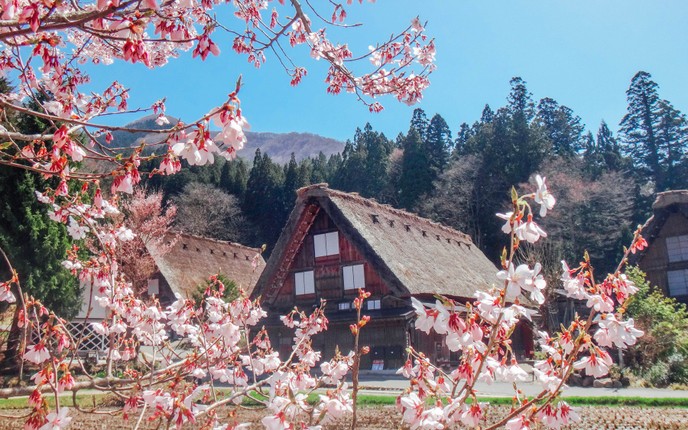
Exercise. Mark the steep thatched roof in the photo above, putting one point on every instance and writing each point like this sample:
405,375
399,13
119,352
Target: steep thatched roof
668,198
666,203
414,255
193,259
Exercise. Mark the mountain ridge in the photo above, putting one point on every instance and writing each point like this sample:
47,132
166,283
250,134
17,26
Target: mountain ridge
279,146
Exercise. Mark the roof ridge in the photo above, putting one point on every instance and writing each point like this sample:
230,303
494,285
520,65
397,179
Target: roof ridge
211,239
324,187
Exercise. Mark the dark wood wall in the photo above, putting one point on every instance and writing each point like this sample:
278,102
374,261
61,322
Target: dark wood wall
329,282
387,339
655,261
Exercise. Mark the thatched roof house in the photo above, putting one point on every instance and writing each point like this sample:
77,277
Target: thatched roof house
413,255
193,259
665,260
335,243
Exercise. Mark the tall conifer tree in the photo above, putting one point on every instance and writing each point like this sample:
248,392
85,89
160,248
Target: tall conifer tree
639,128
416,177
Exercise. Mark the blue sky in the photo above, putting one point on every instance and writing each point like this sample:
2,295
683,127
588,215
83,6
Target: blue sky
582,53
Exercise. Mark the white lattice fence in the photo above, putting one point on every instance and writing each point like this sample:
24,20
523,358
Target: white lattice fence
90,340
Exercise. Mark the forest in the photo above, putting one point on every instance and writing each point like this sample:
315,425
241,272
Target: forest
605,183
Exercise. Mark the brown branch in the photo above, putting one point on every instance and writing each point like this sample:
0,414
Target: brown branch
61,22
102,384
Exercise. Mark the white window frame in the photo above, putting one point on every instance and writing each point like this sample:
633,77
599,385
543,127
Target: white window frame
304,283
677,282
344,306
326,244
354,277
677,248
374,304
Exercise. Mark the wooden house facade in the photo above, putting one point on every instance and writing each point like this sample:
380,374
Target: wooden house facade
665,260
335,243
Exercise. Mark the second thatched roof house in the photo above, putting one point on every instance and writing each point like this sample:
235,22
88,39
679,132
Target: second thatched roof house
335,243
665,260
186,265
193,259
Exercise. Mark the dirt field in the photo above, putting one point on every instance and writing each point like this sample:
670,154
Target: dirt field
387,418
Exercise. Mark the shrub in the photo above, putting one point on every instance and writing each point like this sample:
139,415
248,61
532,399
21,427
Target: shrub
661,355
658,374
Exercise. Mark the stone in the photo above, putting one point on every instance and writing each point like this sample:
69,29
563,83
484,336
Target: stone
605,383
575,380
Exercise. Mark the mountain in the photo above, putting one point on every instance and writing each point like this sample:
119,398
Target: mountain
279,146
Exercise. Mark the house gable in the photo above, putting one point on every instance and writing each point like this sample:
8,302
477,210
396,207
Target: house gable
332,273
665,260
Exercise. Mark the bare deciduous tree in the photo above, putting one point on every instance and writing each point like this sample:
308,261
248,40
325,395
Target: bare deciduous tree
205,210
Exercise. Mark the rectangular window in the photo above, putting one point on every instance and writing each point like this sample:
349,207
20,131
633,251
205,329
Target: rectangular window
304,283
374,304
354,277
345,306
326,244
677,248
678,282
153,287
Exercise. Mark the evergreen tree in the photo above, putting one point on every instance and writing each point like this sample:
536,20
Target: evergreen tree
320,170
592,157
526,145
487,116
35,245
262,194
672,135
438,143
610,149
365,163
377,151
349,174
562,127
639,128
419,122
462,137
499,153
334,163
520,102
233,177
416,176
293,180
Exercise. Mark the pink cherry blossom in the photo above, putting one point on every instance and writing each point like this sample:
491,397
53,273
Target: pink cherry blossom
574,287
529,231
473,414
424,318
57,420
37,353
596,364
520,422
615,332
543,197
